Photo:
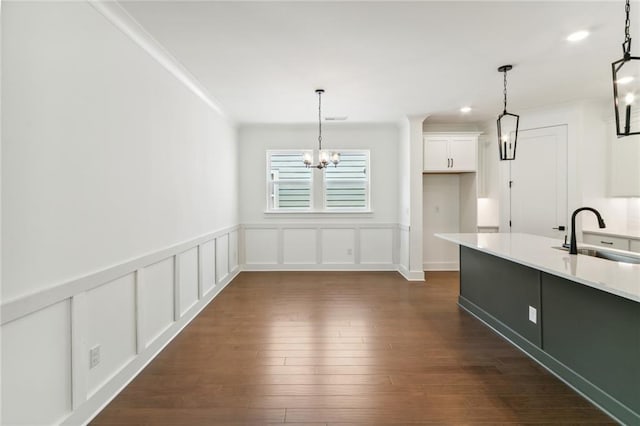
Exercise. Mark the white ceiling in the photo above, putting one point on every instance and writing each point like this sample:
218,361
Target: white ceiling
380,61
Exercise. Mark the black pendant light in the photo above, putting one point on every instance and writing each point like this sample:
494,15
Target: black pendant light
626,85
324,157
507,125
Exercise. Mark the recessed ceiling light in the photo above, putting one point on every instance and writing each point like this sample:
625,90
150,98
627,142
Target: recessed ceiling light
465,109
578,35
625,80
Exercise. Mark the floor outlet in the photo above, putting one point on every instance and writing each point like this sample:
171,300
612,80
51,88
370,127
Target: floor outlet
94,356
533,315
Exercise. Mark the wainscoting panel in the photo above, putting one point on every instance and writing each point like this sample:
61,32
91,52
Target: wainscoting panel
188,279
338,246
299,246
130,311
36,372
222,257
320,246
157,302
207,266
376,246
262,246
114,330
233,250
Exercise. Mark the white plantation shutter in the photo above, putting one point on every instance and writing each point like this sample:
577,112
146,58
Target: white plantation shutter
290,181
346,187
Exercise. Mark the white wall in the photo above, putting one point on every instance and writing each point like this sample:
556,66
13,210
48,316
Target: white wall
380,139
621,214
441,214
588,164
96,132
320,240
119,195
404,195
1,115
488,178
411,165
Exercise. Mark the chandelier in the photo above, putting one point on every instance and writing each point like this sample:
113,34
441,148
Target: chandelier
325,157
626,84
507,125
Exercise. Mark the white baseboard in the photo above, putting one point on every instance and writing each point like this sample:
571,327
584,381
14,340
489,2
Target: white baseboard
411,275
320,267
441,266
87,411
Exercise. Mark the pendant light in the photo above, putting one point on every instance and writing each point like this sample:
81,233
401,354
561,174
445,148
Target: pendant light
324,157
626,85
507,125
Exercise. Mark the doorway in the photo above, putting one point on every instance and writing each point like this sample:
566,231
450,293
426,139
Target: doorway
537,183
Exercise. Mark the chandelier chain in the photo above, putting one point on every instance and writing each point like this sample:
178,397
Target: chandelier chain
505,90
627,22
320,121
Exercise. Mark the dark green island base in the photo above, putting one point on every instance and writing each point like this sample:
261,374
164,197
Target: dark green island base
589,338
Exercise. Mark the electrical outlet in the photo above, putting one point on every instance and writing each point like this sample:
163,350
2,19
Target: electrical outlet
533,315
349,252
94,356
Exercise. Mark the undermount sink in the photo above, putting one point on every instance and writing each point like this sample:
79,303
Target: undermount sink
605,254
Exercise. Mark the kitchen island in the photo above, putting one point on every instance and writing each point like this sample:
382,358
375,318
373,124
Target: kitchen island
577,315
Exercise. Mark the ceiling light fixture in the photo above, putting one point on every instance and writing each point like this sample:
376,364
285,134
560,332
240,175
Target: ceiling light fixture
507,125
324,157
465,109
624,92
578,35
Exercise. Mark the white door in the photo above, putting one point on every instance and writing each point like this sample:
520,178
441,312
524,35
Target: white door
463,154
538,182
436,154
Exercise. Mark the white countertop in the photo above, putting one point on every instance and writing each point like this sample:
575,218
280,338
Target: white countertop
632,233
621,279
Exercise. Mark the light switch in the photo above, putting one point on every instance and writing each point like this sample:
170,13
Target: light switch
533,315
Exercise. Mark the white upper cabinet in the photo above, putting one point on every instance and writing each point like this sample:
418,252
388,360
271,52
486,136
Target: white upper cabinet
436,153
463,152
450,153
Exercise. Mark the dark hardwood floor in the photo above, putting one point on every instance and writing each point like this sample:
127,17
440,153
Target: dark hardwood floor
329,348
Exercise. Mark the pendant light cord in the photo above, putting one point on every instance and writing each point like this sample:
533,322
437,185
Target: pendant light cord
319,121
505,90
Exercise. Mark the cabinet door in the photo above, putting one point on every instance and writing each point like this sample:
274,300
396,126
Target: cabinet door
436,154
463,153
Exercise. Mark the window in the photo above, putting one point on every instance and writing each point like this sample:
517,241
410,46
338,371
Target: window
346,187
293,187
290,182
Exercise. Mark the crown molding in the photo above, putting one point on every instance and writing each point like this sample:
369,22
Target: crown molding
121,19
